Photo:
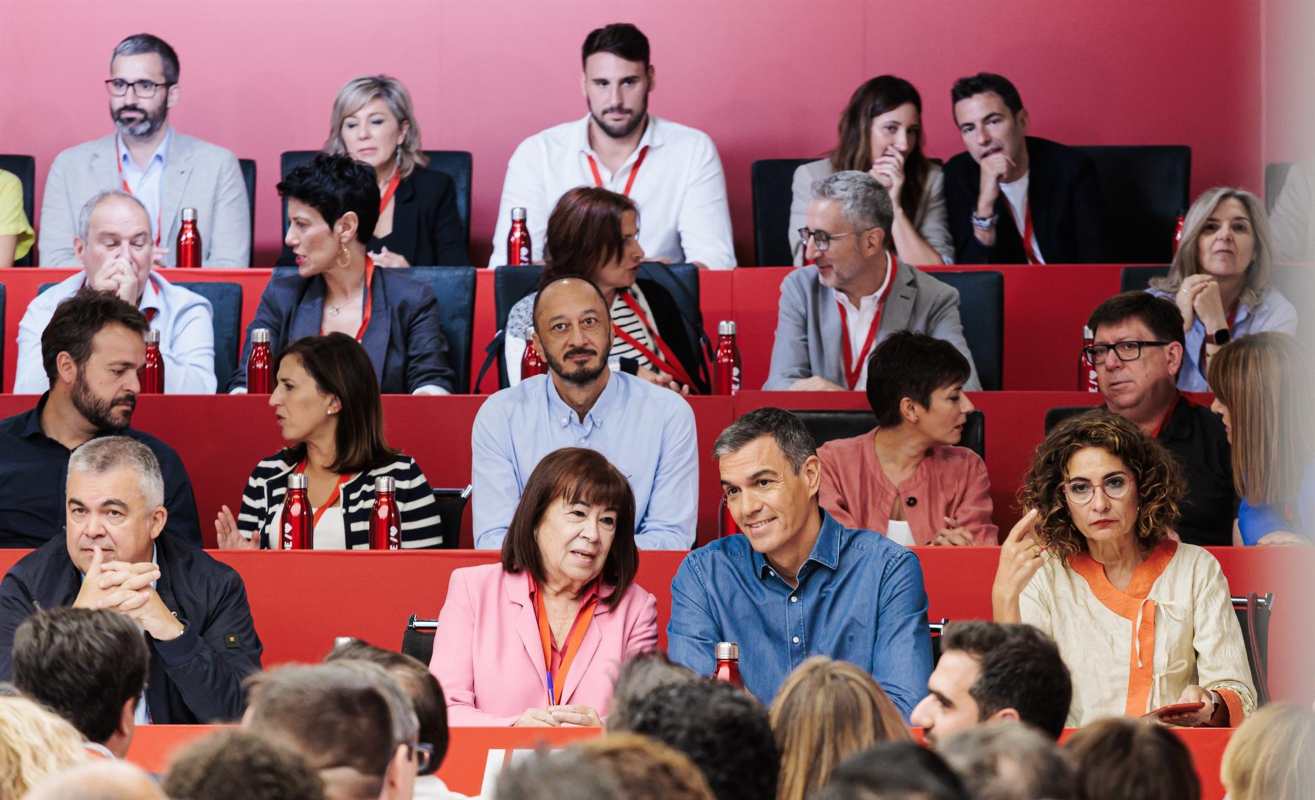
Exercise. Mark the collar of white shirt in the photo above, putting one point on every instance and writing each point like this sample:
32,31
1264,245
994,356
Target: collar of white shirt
653,137
868,302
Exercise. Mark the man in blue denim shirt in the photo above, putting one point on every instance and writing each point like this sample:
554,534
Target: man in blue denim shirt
796,583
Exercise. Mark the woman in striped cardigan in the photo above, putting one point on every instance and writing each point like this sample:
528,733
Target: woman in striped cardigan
327,405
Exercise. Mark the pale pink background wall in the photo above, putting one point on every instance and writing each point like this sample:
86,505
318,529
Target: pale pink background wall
766,78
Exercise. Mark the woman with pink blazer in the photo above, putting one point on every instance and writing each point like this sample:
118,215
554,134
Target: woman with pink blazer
537,639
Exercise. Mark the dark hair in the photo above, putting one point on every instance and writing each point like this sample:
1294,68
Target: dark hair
419,684
639,675
1020,668
621,39
1161,317
76,322
1007,760
576,475
584,233
1120,758
984,82
785,428
241,765
724,730
141,43
83,664
340,367
335,185
912,365
854,151
894,771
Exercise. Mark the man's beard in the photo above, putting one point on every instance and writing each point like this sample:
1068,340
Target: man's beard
147,126
100,413
581,375
638,115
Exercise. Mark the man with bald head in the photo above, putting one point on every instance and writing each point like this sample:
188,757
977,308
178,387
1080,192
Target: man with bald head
114,246
647,431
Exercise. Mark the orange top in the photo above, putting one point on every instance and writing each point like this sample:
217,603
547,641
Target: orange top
558,660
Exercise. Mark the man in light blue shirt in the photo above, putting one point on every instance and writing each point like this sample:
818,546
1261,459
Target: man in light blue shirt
796,583
115,247
646,431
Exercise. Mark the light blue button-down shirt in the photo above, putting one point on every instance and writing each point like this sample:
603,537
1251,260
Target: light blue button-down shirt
646,431
860,598
1272,313
147,184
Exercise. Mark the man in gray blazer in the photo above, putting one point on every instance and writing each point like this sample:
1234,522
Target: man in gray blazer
857,293
165,170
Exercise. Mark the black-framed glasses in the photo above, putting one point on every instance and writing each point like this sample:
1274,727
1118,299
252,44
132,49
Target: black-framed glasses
1082,491
118,87
424,752
821,239
1126,351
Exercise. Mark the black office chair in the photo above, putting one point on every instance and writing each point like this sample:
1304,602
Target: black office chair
451,508
418,638
833,424
248,167
1276,174
25,168
455,289
1137,279
1144,189
1253,612
1056,415
981,310
771,180
937,630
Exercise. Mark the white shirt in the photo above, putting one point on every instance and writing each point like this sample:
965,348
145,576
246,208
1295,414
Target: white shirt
145,183
900,532
1016,194
859,321
680,190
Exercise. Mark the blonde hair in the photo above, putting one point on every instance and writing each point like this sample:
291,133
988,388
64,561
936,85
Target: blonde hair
1187,261
1272,755
353,96
34,743
825,711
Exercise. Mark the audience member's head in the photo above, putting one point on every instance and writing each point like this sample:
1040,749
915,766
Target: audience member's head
1225,234
1136,350
884,114
373,121
557,774
722,729
639,675
114,241
102,780
1115,759
991,119
916,381
115,502
420,685
1271,756
349,720
149,66
894,771
1008,760
241,765
333,205
824,712
990,671
87,665
593,234
34,743
573,330
847,231
91,350
647,769
617,78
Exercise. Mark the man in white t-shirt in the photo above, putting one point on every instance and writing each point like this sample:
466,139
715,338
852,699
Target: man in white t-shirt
671,171
1013,198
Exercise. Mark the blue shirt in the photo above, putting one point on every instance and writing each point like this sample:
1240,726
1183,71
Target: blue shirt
860,598
646,431
146,183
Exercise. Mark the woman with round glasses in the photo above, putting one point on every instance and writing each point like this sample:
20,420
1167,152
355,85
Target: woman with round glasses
1142,620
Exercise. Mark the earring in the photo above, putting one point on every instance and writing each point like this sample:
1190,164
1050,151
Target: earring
344,259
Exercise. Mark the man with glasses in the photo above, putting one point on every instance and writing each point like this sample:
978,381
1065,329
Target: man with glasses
167,171
855,294
1137,351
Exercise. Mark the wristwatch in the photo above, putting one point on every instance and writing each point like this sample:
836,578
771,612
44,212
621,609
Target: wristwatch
985,223
1221,337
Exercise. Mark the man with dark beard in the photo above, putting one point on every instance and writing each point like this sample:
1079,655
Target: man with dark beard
646,430
167,171
91,350
681,191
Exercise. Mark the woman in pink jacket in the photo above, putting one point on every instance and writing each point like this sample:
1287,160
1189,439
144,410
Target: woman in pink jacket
537,639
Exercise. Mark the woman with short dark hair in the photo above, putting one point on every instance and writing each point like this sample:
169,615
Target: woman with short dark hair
568,568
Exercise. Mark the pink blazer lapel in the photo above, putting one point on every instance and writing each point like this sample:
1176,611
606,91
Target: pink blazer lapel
517,592
588,649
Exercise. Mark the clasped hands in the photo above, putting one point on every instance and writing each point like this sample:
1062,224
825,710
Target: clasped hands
1198,297
559,717
126,587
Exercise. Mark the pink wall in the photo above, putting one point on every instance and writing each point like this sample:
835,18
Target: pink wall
766,78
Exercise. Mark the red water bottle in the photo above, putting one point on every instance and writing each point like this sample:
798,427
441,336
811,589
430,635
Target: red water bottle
188,246
519,250
260,363
728,664
726,368
151,375
1178,234
385,524
297,519
531,362
1087,371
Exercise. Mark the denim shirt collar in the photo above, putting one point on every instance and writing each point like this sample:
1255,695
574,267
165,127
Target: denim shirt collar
825,553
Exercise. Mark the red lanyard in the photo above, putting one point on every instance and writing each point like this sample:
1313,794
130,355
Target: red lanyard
118,162
855,368
328,504
634,171
556,678
390,191
1027,234
368,300
668,362
1165,419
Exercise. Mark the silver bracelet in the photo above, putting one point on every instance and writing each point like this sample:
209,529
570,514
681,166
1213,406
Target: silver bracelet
985,223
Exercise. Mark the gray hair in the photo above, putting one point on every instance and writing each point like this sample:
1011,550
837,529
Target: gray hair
1008,760
99,456
640,675
141,43
89,208
1187,261
863,201
785,428
353,96
561,773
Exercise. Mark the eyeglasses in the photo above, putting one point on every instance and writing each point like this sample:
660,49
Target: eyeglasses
424,753
1126,351
118,87
1082,491
821,239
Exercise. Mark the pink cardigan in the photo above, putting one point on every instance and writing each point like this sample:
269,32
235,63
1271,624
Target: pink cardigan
489,660
950,482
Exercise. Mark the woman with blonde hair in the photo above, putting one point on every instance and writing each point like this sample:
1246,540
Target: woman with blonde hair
1220,279
826,711
1272,756
34,743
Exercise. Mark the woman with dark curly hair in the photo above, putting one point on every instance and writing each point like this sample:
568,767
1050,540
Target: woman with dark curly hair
1142,620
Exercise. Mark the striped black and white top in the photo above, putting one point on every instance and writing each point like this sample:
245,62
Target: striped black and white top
421,524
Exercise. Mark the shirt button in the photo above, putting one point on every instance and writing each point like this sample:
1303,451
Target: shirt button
794,598
795,640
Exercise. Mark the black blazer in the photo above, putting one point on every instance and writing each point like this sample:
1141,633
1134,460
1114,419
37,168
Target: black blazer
673,330
426,227
1063,193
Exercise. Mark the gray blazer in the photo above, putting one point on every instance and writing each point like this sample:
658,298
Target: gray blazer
808,324
199,175
932,221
